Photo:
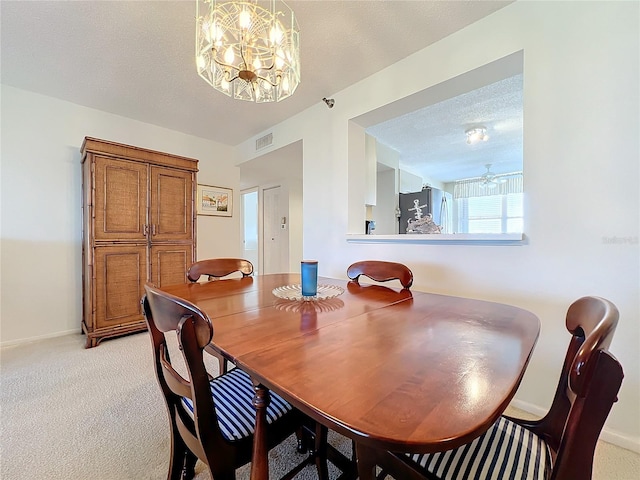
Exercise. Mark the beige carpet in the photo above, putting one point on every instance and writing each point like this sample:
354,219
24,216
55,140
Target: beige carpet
70,413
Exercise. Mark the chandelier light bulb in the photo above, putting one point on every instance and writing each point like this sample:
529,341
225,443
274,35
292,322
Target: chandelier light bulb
275,35
216,32
248,49
244,20
229,57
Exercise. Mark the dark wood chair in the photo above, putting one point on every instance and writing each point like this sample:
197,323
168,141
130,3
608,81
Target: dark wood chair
561,445
381,271
217,268
211,420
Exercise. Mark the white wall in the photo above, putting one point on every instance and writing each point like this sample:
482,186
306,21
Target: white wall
581,124
41,205
295,224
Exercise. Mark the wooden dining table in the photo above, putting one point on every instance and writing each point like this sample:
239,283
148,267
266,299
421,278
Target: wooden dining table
402,370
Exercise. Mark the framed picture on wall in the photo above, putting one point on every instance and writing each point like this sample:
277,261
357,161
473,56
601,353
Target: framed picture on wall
214,201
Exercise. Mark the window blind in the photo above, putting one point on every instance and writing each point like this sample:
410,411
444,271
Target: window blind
472,187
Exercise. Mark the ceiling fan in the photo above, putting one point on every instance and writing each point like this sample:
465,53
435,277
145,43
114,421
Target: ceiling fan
490,179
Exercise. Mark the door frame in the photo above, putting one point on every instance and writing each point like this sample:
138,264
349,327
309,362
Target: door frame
258,267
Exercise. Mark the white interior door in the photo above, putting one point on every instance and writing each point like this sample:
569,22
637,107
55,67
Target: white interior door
275,232
250,239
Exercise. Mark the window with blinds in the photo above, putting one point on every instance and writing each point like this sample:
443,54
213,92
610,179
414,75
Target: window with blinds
490,214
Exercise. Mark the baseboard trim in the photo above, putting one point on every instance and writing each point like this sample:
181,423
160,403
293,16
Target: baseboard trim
13,343
607,435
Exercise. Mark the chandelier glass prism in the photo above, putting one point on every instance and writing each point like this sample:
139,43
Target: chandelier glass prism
248,50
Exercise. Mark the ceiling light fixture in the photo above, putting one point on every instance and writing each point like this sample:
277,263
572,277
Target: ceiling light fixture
476,134
248,50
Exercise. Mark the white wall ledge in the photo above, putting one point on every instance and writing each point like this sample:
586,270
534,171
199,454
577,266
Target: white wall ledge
442,239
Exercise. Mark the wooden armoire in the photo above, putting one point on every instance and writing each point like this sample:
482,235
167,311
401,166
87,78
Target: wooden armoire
138,226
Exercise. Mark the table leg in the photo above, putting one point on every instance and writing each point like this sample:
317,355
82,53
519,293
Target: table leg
366,463
260,461
320,449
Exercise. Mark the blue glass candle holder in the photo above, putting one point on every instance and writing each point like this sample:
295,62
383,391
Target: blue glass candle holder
309,274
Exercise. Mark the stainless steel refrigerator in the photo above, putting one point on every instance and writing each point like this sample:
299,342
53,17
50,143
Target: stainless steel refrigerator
430,201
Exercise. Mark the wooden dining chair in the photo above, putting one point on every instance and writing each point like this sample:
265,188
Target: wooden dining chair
381,271
216,268
211,419
561,445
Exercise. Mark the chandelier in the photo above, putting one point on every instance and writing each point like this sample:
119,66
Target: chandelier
476,134
248,50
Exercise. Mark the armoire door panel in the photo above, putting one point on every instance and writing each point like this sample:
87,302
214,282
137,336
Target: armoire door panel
169,264
121,273
171,205
120,199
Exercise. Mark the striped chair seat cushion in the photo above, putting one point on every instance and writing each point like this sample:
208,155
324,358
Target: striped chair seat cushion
232,396
505,451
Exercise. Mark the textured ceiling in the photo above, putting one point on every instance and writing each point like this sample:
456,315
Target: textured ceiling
432,141
136,58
